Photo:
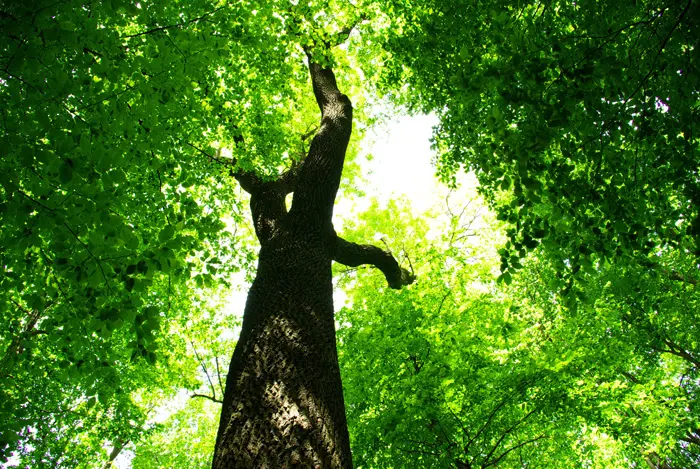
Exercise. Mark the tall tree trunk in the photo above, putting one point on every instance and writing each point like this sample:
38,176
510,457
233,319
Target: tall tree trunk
283,405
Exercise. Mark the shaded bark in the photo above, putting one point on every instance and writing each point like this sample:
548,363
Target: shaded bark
283,403
353,255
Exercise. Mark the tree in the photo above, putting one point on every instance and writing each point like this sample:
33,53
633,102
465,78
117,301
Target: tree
465,371
577,118
283,403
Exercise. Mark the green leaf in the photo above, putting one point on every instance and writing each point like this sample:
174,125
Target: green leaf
506,278
65,173
166,233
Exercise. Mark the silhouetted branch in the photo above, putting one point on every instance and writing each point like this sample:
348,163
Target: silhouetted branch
116,450
487,459
484,426
177,25
204,368
677,350
353,255
213,399
218,375
513,448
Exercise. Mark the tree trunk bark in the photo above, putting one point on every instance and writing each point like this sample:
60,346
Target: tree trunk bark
283,405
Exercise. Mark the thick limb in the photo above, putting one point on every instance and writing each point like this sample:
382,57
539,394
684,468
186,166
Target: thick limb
325,88
319,174
268,208
353,255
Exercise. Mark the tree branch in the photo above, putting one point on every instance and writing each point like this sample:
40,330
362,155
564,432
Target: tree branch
248,181
213,399
116,450
679,351
177,25
487,459
485,425
266,197
512,448
288,179
629,376
673,275
218,374
459,421
353,255
206,372
693,437
325,87
35,201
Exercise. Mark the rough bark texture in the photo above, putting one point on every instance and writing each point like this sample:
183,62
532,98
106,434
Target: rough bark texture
283,405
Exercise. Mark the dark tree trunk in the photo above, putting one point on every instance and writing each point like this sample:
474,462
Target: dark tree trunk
283,405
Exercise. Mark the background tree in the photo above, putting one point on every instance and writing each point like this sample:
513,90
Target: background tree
577,118
463,371
110,216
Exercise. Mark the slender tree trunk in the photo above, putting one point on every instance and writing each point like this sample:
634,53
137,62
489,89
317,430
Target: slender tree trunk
116,451
283,404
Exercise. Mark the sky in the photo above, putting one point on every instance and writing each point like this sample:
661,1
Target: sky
401,163
401,167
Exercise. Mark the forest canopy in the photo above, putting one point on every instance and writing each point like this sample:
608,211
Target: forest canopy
554,317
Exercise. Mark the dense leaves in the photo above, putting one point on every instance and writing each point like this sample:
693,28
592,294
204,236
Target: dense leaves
121,227
109,215
460,370
579,118
121,122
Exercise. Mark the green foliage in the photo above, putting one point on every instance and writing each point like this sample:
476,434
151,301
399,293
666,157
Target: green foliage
437,372
108,214
121,228
186,439
121,122
461,369
578,118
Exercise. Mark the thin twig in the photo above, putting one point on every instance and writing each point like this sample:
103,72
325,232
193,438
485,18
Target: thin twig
99,264
218,375
36,201
213,399
505,453
227,162
510,430
204,368
178,25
